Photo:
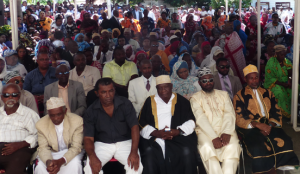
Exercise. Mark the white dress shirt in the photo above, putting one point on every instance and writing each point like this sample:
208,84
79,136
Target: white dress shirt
108,55
19,126
60,139
152,15
137,14
211,12
145,80
164,117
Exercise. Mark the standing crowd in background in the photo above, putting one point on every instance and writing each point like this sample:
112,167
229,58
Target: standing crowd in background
160,92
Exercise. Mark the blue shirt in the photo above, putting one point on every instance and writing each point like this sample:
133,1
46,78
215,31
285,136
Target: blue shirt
185,44
35,82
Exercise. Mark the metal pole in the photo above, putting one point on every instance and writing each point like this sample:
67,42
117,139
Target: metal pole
75,9
109,9
226,8
14,23
240,9
295,80
54,2
127,2
258,36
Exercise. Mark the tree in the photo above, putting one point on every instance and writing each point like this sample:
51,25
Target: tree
231,3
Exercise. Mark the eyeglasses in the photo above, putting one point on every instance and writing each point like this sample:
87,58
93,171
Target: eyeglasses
6,95
64,73
18,81
207,80
154,45
223,66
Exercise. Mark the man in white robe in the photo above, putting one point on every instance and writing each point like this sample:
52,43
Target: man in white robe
215,127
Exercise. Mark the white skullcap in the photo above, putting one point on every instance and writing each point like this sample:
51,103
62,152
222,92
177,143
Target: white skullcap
204,71
163,79
173,37
55,102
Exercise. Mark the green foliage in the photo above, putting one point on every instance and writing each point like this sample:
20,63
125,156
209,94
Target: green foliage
5,29
231,3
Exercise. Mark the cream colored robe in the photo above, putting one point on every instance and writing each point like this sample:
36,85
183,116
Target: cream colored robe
214,116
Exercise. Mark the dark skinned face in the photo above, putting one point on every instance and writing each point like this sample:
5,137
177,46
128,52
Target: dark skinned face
252,80
146,70
154,46
223,67
57,115
96,40
10,101
275,19
228,29
209,86
79,61
121,41
89,57
106,94
183,73
62,74
21,53
164,91
43,61
104,47
120,56
281,55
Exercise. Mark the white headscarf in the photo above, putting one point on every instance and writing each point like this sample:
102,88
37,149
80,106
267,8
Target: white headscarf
4,71
209,59
132,57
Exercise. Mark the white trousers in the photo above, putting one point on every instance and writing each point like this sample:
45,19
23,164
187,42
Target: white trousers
74,166
229,166
120,151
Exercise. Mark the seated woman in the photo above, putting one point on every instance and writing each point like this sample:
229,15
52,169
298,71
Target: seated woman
183,83
197,48
208,26
69,25
25,58
278,79
205,51
58,24
163,22
88,25
129,52
145,44
193,69
82,45
115,34
44,22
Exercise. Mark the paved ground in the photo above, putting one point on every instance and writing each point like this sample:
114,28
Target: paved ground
296,140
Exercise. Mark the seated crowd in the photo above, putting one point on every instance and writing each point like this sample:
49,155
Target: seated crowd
160,96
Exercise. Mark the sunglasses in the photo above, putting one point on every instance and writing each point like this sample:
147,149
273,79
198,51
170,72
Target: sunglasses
154,45
207,80
63,73
223,66
18,81
6,95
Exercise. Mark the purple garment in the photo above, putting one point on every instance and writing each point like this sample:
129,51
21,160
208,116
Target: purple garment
222,82
9,44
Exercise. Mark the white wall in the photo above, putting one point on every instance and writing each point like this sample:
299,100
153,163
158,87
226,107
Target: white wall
273,2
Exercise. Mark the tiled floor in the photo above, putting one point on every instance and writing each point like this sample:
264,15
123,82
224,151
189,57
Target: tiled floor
296,140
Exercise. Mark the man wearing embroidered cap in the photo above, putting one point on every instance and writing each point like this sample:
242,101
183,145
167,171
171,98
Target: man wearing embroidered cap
60,137
167,125
259,117
215,127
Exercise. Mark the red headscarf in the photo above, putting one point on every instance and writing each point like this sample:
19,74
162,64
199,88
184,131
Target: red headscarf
174,46
137,54
82,15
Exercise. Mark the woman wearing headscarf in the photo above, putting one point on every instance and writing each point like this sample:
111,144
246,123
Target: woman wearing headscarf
264,20
115,34
45,22
69,25
180,50
193,69
45,44
87,23
183,83
129,52
190,27
279,79
205,51
82,45
139,56
221,20
163,22
208,26
173,49
241,33
32,24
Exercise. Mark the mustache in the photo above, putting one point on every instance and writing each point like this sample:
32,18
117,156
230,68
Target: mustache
11,102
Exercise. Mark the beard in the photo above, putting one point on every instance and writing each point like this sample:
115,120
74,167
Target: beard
11,102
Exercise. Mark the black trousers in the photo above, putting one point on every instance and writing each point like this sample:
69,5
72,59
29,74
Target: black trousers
17,162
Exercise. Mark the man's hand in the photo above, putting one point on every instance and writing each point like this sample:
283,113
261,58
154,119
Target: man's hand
225,138
217,143
95,164
264,133
262,127
133,160
12,147
53,166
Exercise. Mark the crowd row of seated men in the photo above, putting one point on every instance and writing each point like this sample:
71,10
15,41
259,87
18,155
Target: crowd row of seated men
167,136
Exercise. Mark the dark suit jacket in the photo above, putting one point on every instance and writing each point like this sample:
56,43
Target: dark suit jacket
68,57
235,83
105,24
140,15
76,96
113,23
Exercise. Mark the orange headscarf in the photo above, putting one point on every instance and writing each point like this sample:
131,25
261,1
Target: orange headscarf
221,21
207,23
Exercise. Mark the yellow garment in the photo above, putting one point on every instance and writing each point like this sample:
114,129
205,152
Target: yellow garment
229,166
164,59
215,115
162,23
120,74
46,24
249,69
133,24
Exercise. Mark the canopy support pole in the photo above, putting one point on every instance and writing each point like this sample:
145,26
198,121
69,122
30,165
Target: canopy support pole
258,36
14,23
